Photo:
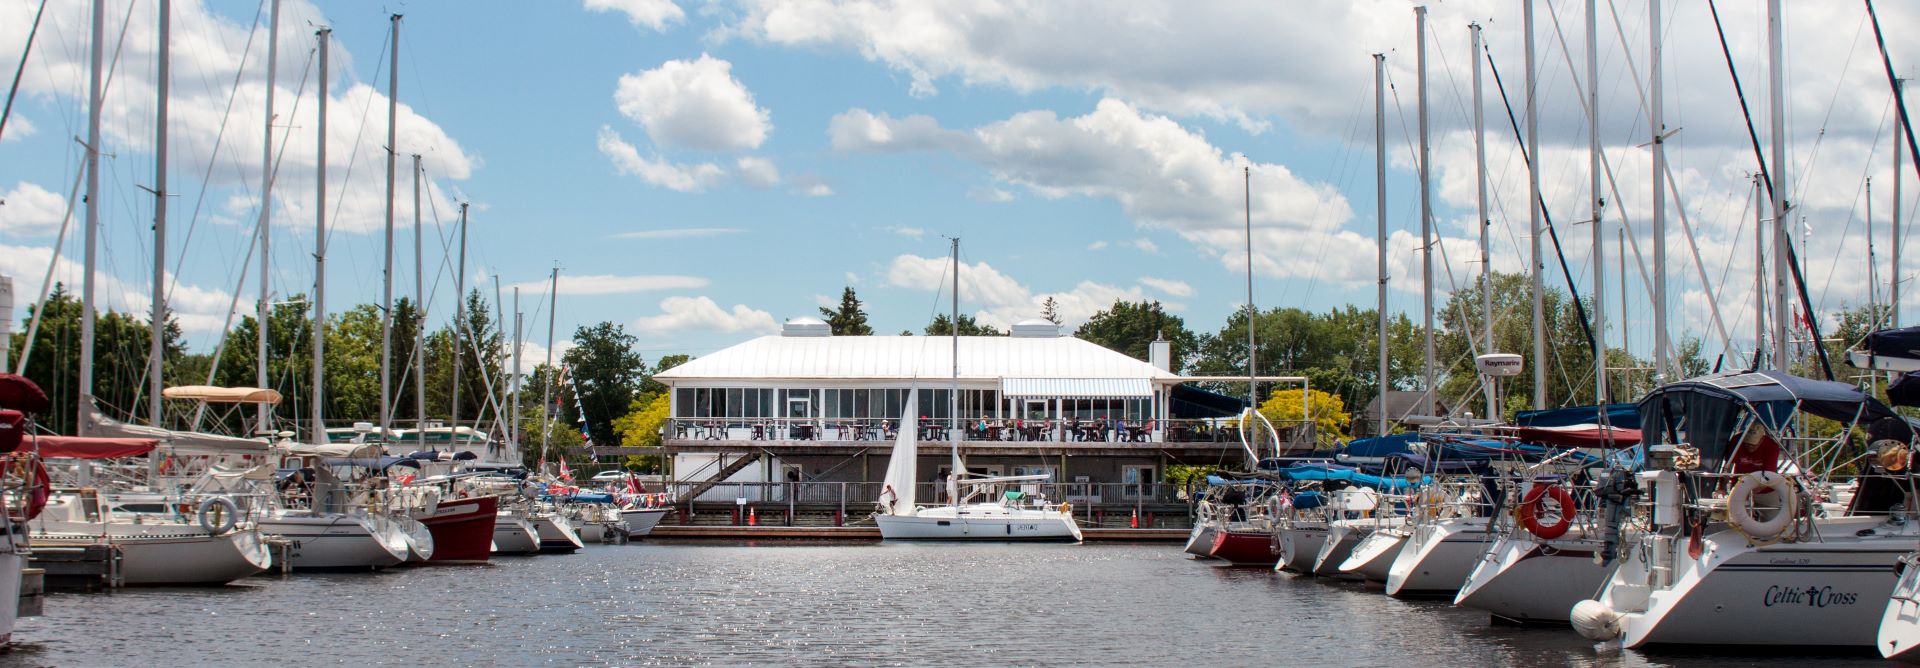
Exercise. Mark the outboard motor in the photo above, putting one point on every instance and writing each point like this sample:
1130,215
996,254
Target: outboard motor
1618,490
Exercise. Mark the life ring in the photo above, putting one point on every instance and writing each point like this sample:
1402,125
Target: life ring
33,483
1530,507
1741,511
218,514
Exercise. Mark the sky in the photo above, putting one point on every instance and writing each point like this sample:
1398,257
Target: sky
701,171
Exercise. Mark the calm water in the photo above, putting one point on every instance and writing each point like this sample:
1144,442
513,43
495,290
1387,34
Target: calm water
865,604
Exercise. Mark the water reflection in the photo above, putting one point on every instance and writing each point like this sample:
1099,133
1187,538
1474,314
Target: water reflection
798,603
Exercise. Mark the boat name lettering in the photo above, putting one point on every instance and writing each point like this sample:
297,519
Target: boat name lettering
1789,561
1813,597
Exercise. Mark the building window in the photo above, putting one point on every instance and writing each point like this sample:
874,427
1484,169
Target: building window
1137,481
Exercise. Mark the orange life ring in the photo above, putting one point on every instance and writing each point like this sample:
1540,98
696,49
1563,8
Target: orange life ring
1529,511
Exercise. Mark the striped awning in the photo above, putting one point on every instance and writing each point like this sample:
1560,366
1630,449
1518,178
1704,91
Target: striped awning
1077,388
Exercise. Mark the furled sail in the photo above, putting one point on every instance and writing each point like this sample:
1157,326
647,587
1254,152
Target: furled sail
896,490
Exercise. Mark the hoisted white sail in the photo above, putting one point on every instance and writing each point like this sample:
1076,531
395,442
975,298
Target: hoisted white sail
896,490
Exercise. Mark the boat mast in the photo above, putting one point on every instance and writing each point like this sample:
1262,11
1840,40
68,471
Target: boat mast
386,271
1776,76
1535,209
1663,361
1759,276
264,412
157,323
459,322
1253,382
953,390
1893,273
320,257
1380,217
1486,222
84,409
1426,210
546,392
514,427
1598,204
420,323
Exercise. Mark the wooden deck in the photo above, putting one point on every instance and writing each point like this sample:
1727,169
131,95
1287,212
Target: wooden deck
699,532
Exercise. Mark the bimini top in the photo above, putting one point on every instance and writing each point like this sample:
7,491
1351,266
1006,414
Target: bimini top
907,358
83,447
22,394
223,395
1773,393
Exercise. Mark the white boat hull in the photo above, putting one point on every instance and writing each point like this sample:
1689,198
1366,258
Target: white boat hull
185,558
11,563
1342,537
513,534
641,521
1437,557
556,533
1899,637
1827,593
1372,558
1200,540
1527,580
591,532
981,523
338,542
1298,546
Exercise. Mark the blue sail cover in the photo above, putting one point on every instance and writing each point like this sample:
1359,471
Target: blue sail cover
1328,472
1903,342
1619,415
1380,446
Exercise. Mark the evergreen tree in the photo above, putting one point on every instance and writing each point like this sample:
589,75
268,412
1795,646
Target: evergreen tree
849,320
942,326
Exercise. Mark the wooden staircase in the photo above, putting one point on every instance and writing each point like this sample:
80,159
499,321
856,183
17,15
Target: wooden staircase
720,476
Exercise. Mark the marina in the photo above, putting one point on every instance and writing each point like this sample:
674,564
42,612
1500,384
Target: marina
1649,410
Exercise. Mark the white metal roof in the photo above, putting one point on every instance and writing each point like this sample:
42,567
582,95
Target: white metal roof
912,357
1076,388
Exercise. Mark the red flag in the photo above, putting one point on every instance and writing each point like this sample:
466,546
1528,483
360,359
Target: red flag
565,473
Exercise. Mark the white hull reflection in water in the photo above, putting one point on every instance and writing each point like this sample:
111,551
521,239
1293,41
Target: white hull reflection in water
807,604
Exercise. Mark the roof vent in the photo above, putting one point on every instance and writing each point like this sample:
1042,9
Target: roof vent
806,326
1035,329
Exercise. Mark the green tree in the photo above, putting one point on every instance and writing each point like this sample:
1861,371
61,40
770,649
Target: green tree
1050,311
942,326
606,371
1129,328
849,319
120,360
640,427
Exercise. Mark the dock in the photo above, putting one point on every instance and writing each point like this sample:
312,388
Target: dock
81,567
831,533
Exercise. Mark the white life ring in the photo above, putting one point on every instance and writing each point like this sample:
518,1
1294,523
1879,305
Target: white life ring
1742,513
228,514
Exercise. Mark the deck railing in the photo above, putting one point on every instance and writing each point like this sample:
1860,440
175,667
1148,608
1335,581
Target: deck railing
1223,431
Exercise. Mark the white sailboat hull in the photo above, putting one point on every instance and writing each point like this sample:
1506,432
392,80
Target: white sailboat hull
1342,537
338,542
1372,558
1298,545
1829,592
167,554
641,521
591,532
1437,557
1200,540
983,522
556,533
1524,579
513,534
1899,637
11,563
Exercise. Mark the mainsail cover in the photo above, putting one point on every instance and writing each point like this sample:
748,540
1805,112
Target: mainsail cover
896,489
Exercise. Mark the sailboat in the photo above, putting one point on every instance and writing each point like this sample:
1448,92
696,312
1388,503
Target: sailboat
980,507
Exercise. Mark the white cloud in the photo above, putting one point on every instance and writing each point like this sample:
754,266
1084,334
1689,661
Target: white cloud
679,233
533,354
1001,300
1145,245
19,128
909,232
758,172
817,190
654,14
199,310
862,130
694,104
31,211
1097,245
657,171
680,314
990,195
607,284
1169,286
1164,176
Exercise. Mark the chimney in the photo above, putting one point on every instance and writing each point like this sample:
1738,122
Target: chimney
1160,352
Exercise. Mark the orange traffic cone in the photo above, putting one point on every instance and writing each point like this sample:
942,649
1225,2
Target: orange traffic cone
753,518
1135,522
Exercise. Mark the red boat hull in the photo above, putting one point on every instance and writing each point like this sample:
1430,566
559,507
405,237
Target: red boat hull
1244,548
462,529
